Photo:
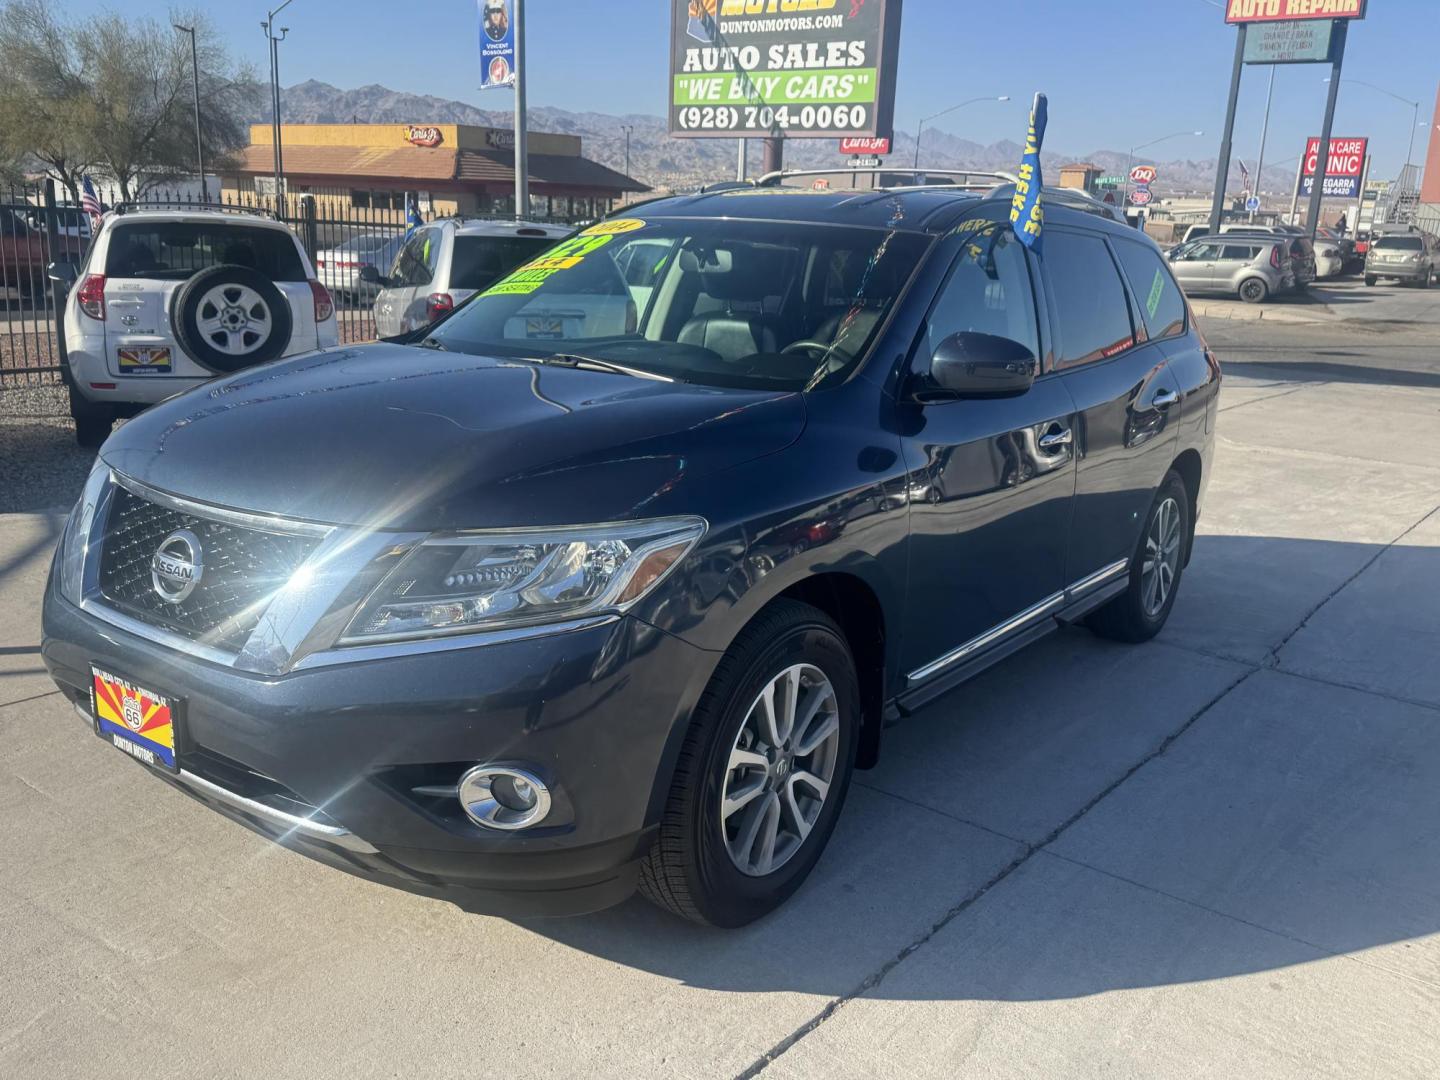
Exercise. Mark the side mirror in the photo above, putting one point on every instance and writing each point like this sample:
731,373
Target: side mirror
372,276
63,272
975,365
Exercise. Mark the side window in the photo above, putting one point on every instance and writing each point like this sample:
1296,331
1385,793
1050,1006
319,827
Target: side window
1088,299
989,292
1161,304
415,265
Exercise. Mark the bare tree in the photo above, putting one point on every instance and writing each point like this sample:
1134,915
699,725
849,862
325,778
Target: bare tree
113,93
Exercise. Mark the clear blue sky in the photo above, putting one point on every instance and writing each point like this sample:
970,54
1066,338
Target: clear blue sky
1117,74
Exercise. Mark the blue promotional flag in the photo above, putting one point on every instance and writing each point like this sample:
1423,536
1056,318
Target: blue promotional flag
497,44
413,220
1027,215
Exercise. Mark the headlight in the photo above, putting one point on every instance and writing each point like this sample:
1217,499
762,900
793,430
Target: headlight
75,541
468,582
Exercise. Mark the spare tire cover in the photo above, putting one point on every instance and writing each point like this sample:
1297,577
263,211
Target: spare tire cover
231,317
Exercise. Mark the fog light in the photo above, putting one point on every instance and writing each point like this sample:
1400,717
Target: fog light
504,797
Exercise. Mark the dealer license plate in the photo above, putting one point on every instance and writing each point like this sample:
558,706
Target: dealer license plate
141,361
135,719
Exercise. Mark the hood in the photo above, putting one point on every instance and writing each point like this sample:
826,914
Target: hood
395,436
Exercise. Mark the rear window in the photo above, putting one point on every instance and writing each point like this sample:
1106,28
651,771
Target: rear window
480,261
1400,243
177,249
1239,253
1161,304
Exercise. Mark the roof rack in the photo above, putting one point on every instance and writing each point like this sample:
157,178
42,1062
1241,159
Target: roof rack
982,181
1074,199
132,206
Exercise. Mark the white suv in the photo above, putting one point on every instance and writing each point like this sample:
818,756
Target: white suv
169,298
444,263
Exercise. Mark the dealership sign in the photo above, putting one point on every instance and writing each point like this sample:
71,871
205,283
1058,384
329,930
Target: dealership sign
865,147
1262,11
1343,170
1304,42
797,68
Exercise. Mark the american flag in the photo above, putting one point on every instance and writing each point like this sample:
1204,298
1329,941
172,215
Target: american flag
89,201
1245,177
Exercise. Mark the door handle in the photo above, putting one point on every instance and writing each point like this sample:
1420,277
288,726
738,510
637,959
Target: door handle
1056,439
1164,399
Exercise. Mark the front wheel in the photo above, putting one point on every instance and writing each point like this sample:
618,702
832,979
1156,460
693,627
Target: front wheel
762,774
1140,612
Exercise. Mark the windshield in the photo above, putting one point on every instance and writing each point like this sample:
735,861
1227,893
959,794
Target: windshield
781,305
1400,243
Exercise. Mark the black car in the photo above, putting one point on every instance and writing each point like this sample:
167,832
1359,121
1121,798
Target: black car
610,583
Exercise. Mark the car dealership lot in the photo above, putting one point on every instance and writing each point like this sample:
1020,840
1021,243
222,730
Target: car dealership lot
1218,853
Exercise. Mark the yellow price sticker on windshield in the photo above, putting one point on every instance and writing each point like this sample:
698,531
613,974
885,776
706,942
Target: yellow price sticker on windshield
563,256
614,228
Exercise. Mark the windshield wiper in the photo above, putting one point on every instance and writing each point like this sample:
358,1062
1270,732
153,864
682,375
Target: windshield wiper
434,343
591,363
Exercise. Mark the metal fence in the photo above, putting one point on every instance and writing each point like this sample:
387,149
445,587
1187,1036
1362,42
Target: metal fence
37,229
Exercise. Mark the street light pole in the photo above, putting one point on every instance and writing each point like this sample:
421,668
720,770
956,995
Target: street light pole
925,120
627,128
269,27
522,144
1264,134
199,145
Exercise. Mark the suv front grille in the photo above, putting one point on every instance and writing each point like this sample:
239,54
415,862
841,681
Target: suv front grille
243,568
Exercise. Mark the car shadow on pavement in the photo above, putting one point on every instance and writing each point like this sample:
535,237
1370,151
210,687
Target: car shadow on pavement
1329,371
1088,817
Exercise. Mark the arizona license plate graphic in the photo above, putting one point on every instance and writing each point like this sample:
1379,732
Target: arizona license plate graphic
138,721
144,361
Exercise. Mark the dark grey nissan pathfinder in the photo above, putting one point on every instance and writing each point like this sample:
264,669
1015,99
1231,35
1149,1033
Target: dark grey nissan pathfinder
610,579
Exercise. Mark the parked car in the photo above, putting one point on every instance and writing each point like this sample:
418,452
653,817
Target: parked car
1253,267
70,222
1404,257
555,606
340,267
22,259
444,263
168,299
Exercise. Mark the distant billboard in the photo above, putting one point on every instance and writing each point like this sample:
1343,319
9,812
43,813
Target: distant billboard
1303,42
797,68
1262,11
1343,171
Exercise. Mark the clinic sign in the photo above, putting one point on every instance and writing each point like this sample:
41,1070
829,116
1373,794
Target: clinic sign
1263,11
797,68
1343,171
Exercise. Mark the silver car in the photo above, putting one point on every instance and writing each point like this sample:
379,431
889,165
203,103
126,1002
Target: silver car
1254,268
1406,257
444,263
341,266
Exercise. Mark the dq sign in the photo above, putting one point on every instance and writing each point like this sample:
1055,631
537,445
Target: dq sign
1343,170
1143,174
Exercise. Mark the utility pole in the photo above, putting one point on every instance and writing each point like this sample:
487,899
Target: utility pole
269,27
522,147
1322,163
1222,170
741,163
195,72
627,128
1264,134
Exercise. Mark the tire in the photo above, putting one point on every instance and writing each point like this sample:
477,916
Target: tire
93,423
1428,279
691,870
228,318
1370,280
1134,616
1254,291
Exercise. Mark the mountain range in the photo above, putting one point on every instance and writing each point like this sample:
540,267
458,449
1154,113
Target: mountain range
665,162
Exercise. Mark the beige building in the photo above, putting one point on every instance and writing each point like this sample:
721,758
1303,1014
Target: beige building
453,168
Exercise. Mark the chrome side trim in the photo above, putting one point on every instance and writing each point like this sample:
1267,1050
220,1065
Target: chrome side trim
1085,584
989,637
1013,625
353,654
209,511
313,830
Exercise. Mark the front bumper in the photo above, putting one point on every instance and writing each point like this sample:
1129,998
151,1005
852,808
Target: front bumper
596,713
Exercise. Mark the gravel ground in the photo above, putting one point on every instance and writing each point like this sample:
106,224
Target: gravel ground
41,467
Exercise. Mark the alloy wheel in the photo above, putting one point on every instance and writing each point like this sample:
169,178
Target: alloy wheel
780,769
1162,557
234,319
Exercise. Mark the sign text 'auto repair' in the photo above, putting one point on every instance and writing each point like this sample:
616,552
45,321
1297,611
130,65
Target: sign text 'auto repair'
1257,11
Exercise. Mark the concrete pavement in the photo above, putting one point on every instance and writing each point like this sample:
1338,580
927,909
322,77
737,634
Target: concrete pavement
1217,854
